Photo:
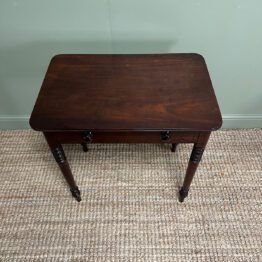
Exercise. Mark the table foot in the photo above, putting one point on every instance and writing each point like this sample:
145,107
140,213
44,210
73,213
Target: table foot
76,194
183,193
84,146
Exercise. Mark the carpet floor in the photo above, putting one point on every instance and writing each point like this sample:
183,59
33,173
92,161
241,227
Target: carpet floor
130,209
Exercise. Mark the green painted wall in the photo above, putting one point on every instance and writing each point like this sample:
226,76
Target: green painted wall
227,33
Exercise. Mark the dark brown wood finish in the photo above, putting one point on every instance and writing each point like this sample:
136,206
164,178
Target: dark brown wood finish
126,93
194,160
173,148
165,98
59,155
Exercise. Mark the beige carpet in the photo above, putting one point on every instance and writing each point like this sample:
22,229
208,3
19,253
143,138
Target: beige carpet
130,210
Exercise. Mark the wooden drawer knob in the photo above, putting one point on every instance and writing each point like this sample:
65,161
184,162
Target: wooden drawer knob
88,136
165,135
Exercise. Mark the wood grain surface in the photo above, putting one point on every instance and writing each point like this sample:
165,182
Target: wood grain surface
127,93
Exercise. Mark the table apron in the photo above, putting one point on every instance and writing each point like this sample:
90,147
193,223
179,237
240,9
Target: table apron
126,137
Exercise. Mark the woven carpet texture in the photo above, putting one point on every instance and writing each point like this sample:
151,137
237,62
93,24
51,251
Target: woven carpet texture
130,209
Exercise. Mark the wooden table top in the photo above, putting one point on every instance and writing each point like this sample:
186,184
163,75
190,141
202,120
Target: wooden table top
127,93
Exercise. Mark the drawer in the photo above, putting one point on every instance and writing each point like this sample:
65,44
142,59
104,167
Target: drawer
126,137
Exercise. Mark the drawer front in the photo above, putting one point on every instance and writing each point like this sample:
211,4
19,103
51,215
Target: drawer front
127,137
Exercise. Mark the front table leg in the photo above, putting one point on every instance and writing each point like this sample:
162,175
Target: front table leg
195,158
62,162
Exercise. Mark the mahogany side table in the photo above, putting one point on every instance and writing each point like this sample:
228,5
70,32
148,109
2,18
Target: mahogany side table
160,98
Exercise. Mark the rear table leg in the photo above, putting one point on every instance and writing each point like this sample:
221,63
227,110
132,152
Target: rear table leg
84,146
173,148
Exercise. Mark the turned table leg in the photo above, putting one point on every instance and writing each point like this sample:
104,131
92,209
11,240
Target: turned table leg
60,157
195,158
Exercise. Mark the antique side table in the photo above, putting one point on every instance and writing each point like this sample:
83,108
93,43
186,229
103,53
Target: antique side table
160,98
